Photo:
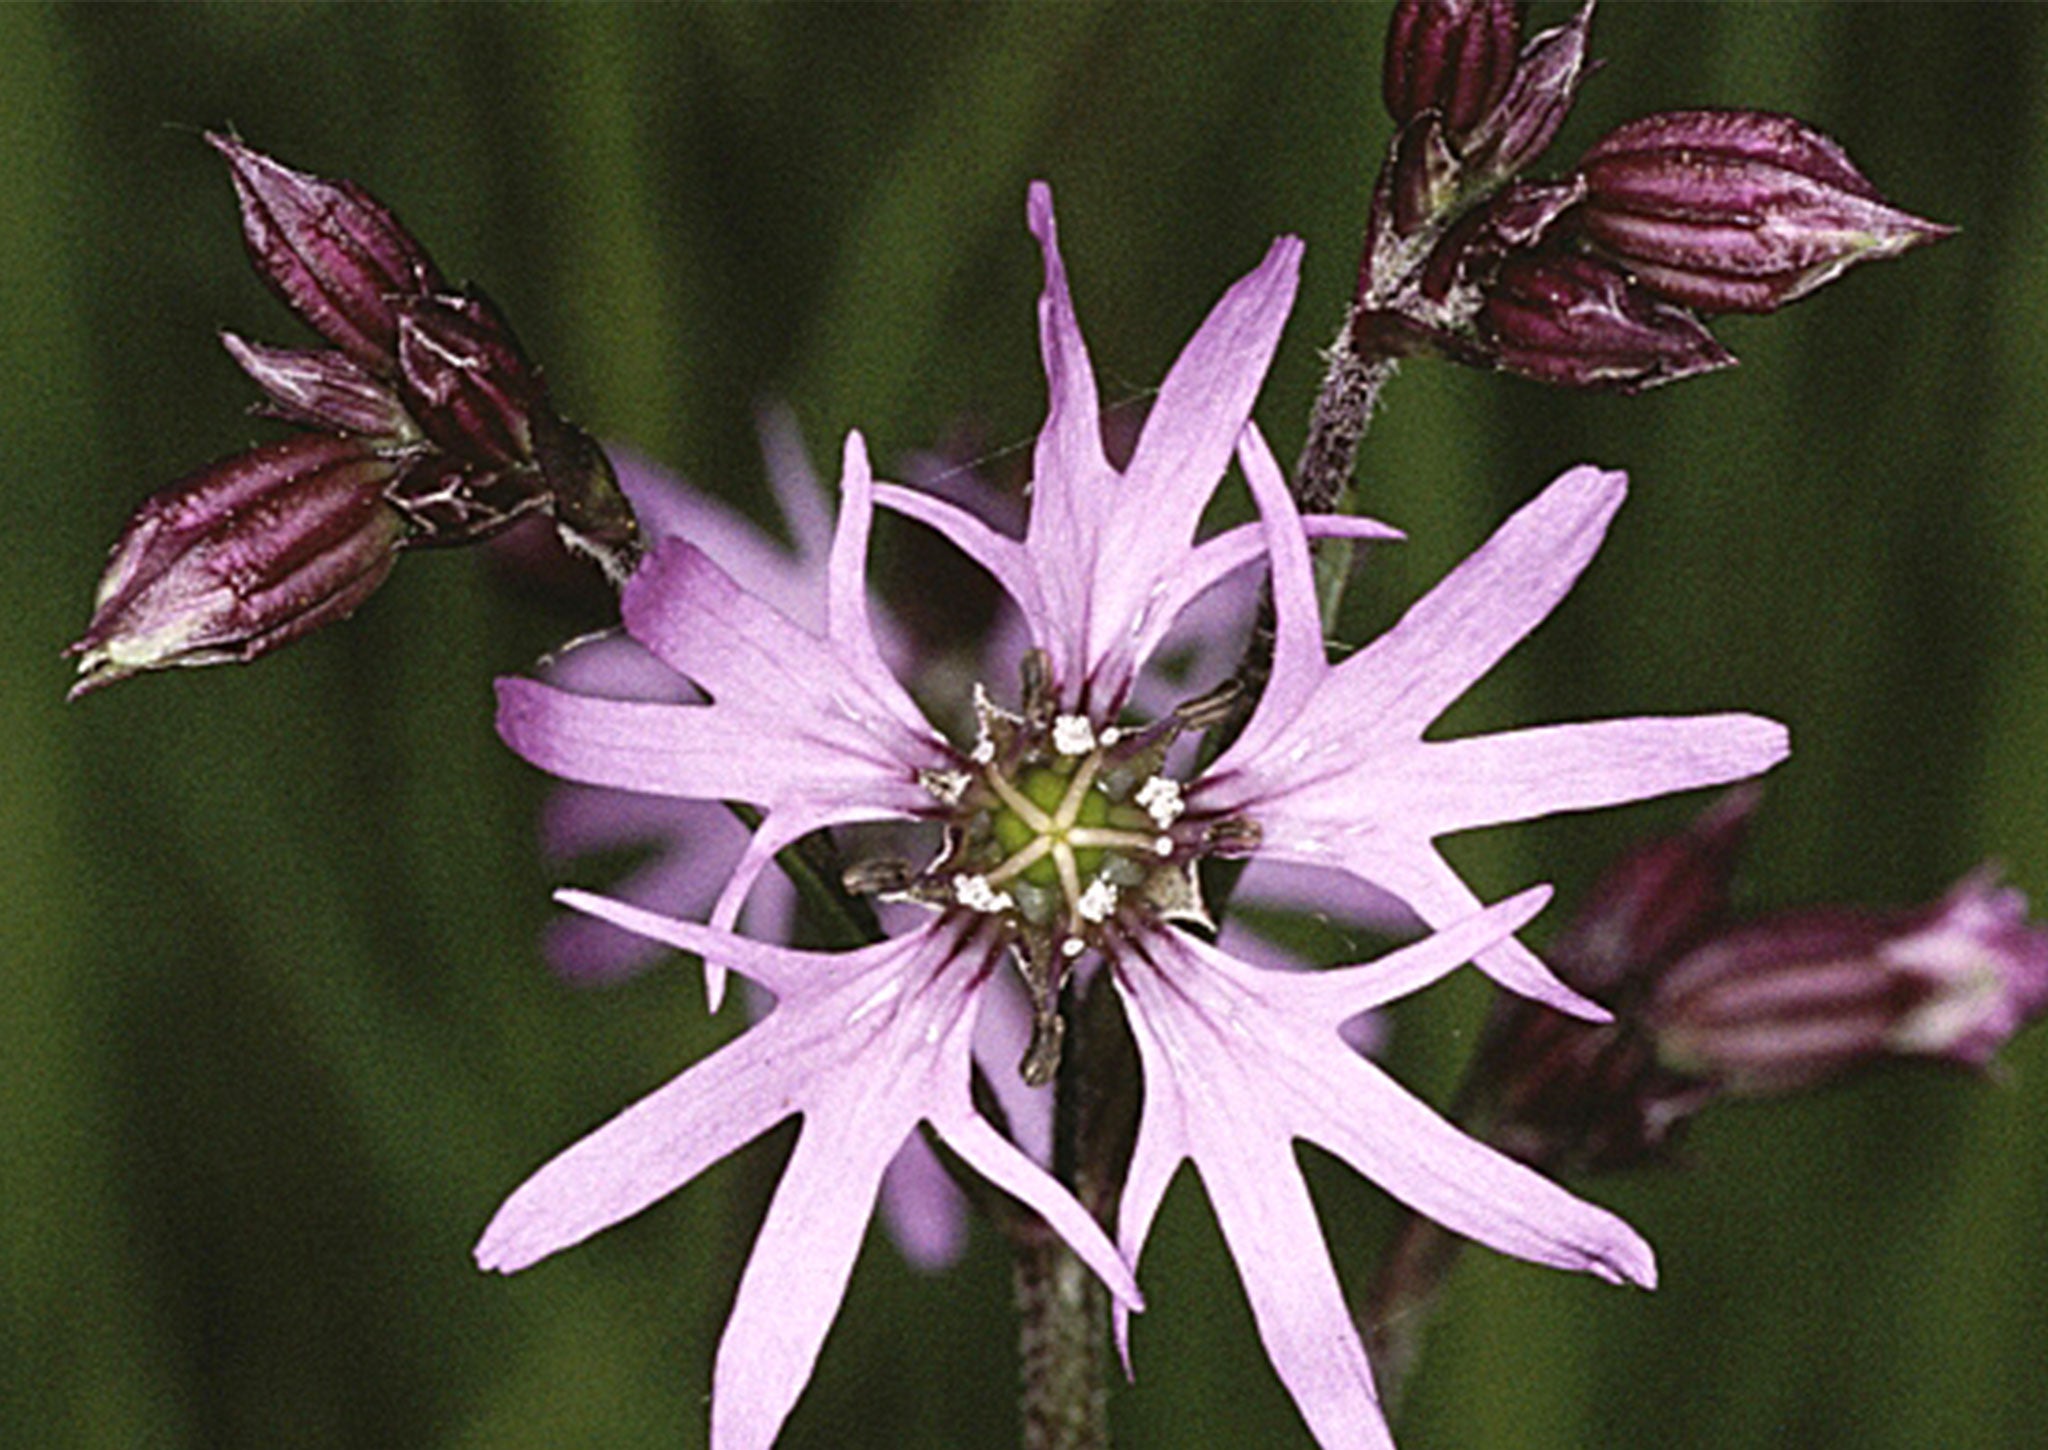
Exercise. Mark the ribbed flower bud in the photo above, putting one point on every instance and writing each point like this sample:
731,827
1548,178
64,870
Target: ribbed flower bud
1454,57
1580,322
463,375
322,389
1737,211
330,252
243,556
1655,902
1788,1002
1538,97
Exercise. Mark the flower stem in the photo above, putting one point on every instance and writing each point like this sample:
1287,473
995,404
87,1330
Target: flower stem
1062,1347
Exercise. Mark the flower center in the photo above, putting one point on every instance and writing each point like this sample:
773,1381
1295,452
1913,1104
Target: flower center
1068,831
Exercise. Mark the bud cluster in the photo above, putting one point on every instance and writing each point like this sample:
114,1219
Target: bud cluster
1709,1007
423,423
1600,279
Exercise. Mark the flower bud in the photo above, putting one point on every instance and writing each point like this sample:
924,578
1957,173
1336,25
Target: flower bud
1655,902
1737,211
592,513
1579,322
1538,97
1454,57
243,556
323,389
1791,1001
330,252
464,377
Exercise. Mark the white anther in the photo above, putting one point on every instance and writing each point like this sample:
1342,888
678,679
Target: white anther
947,786
1111,735
1073,735
1162,847
1073,946
984,751
1097,902
1160,799
974,893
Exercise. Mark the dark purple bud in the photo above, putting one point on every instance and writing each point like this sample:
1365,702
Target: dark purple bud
1737,211
1454,57
1538,98
241,557
1569,1096
330,252
323,389
1515,220
1424,177
464,378
1789,1002
591,511
1656,901
1579,322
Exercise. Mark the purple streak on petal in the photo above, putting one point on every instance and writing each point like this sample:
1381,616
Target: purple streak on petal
925,1211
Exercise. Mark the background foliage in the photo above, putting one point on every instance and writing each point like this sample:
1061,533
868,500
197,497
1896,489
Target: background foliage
276,1037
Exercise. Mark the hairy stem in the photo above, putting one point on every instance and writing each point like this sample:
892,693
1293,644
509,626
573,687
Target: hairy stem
1062,1347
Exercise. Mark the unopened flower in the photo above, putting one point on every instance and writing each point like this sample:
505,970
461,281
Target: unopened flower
1786,1002
1451,56
1050,855
1538,97
1736,211
425,413
243,556
1578,321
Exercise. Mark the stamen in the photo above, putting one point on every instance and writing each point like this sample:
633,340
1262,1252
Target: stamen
1097,902
975,893
1073,735
1160,798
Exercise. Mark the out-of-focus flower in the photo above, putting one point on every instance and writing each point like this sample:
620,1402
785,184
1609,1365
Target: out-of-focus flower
1736,211
1787,1002
443,430
244,556
1709,1007
1067,837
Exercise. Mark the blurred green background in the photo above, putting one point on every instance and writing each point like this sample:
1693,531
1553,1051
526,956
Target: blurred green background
277,1038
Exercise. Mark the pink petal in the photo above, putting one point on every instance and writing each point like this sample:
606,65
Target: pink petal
796,1276
1263,1208
1519,775
1459,630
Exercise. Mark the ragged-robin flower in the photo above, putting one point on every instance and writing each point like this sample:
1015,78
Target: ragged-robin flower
1068,841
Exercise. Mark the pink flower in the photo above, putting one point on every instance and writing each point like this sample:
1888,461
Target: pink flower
1069,840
